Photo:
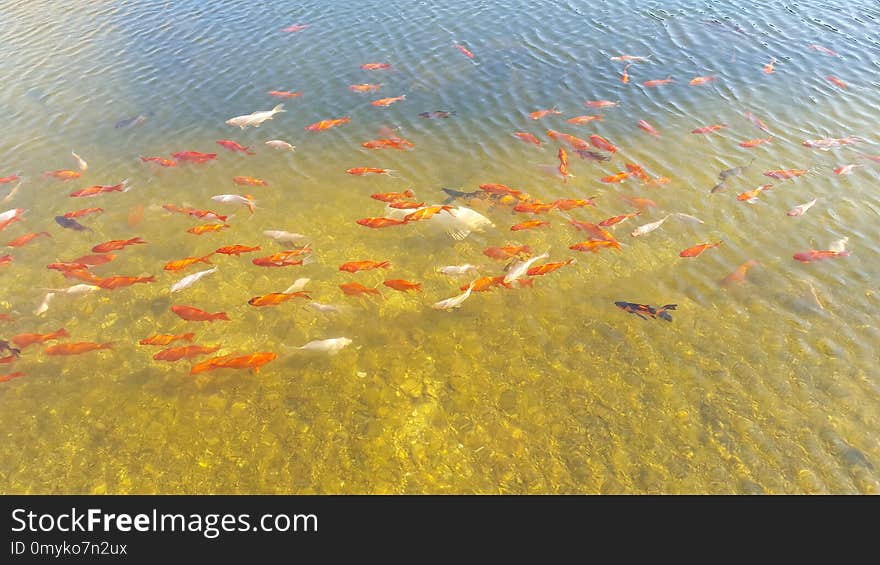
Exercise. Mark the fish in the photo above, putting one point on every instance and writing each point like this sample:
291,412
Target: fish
593,245
166,339
455,301
81,163
294,28
9,376
161,161
27,238
548,267
501,189
527,138
375,66
591,155
645,126
770,67
633,58
581,120
329,346
838,245
757,122
437,114
566,204
528,225
721,186
282,258
76,348
249,181
361,171
643,310
243,199
830,142
563,164
192,314
380,222
275,298
194,156
357,289
63,175
134,121
464,50
12,193
205,228
236,250
389,143
388,101
739,274
836,81
600,142
75,290
823,50
9,179
5,260
97,189
27,339
117,244
734,171
355,266
593,229
649,227
112,283
801,209
600,104
814,255
44,305
233,146
701,80
184,352
282,236
519,269
846,169
697,249
325,308
657,82
254,119
402,285
458,270
782,174
83,212
624,76
280,144
285,94
615,178
617,219
484,284
508,251
538,114
533,207
404,205
365,87
755,142
327,124
709,129
253,361
190,280
751,196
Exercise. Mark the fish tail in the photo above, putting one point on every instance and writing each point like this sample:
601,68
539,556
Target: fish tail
62,333
668,307
108,345
278,108
151,278
136,240
220,316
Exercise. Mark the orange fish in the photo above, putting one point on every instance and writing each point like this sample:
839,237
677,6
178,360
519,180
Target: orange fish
233,146
63,174
657,82
563,164
116,244
5,260
533,207
600,142
364,87
538,114
285,94
94,260
782,174
572,141
624,76
204,228
751,196
380,222
406,205
769,67
276,298
593,229
355,266
388,101
527,137
249,181
184,352
253,362
697,249
425,213
581,120
194,156
159,161
531,224
112,283
361,171
184,263
403,285
739,275
600,104
98,189
701,80
640,203
66,267
357,289
392,196
76,348
709,129
814,255
375,66
571,203
135,215
390,143
619,177
502,253
757,121
237,250
282,258
837,81
26,238
464,50
645,126
83,212
593,245
191,314
483,284
82,275
10,178
294,28
502,189
24,340
755,142
205,214
165,339
327,124
637,171
617,219
9,376
548,267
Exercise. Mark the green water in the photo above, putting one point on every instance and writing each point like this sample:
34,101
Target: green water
769,386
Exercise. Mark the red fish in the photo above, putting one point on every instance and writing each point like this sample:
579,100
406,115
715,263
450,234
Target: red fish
751,196
533,207
165,339
276,298
194,156
10,178
361,171
563,164
757,121
392,196
249,181
402,285
282,258
657,82
593,245
814,255
640,203
159,161
5,260
527,137
502,190
285,94
503,253
184,352
63,174
9,376
237,250
755,142
26,238
375,66
98,189
837,81
572,203
389,143
624,76
538,114
400,205
357,289
233,146
701,80
191,314
619,177
709,129
380,222
548,267
83,212
294,28
95,260
617,219
205,228
355,266
645,126
600,142
116,244
24,340
112,283
76,348
572,141
697,249
464,50
770,67
253,362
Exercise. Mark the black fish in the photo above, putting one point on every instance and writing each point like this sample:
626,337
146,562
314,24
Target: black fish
592,155
71,224
4,346
437,114
453,194
642,310
727,173
138,120
719,187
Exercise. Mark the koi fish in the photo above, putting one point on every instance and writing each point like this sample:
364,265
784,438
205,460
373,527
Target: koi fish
464,50
100,189
380,222
392,143
538,114
204,214
566,204
355,266
483,284
249,181
24,340
191,314
596,231
757,122
503,253
739,275
457,270
823,50
357,289
782,174
701,80
619,177
836,81
770,67
570,140
112,283
159,161
455,301
657,82
116,244
280,144
205,228
633,58
253,362
76,348
436,114
751,196
27,238
643,310
755,142
184,352
364,87
392,196
194,156
530,224
402,285
845,169
617,219
233,146
83,212
5,260
328,346
645,126
427,213
95,260
166,339
282,258
282,236
63,175
709,129
593,245
801,209
276,298
375,66
10,178
294,28
581,120
533,207
649,227
830,142
285,94
624,76
548,267
254,119
236,250
388,101
81,163
600,104
697,249
600,142
814,255
190,280
402,205
563,164
501,189
243,199
591,155
361,171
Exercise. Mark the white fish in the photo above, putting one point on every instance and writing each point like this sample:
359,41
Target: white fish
256,118
280,144
12,193
520,268
688,218
285,236
458,223
648,228
326,308
44,305
82,162
297,285
9,214
328,346
75,289
244,200
838,246
801,209
190,280
457,270
455,301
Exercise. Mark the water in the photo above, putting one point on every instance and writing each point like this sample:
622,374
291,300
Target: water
770,386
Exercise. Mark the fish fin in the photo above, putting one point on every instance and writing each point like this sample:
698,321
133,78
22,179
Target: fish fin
640,315
669,307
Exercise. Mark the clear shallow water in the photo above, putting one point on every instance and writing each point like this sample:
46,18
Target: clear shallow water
770,386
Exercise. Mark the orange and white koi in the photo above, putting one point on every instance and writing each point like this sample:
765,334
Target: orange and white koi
846,169
243,199
801,209
751,196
